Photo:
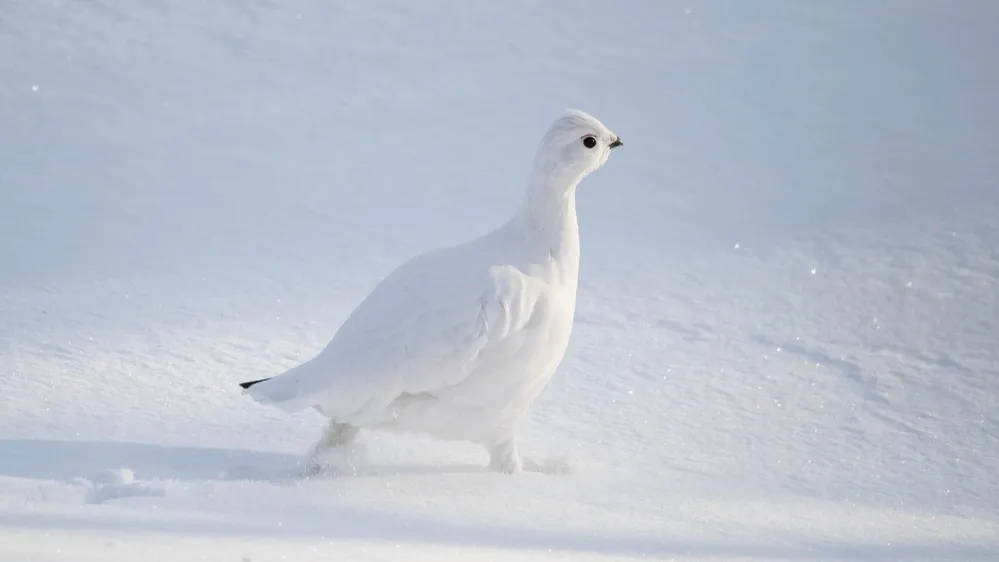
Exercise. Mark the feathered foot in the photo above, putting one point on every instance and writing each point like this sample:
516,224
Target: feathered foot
503,457
335,450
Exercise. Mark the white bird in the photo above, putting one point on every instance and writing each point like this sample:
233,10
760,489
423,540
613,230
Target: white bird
458,342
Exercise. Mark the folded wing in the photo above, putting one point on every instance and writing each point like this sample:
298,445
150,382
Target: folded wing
416,334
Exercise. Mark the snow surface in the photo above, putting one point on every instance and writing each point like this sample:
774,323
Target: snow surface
786,336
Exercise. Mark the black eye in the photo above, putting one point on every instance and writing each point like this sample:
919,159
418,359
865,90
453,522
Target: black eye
589,141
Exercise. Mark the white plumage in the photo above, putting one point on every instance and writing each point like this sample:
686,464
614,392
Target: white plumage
458,342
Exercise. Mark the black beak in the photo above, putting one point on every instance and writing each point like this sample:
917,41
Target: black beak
617,142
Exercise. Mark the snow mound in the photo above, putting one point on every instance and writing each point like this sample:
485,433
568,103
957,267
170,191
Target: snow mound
115,484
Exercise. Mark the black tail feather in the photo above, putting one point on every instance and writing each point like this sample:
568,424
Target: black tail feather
251,383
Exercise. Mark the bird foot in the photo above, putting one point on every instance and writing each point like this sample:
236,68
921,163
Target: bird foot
336,461
503,458
337,452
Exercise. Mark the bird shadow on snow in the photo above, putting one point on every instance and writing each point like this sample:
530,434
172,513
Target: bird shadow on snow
118,463
104,461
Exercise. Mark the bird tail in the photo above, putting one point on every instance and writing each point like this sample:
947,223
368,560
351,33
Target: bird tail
248,384
292,390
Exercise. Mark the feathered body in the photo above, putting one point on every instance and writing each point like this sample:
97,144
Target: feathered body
458,342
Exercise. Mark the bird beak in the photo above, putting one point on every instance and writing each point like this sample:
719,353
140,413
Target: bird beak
617,142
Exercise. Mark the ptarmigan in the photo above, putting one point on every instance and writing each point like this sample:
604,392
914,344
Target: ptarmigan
458,342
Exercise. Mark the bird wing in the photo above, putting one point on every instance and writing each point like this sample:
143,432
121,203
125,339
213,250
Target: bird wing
420,331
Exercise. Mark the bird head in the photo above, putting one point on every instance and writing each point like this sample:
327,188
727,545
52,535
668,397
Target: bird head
575,145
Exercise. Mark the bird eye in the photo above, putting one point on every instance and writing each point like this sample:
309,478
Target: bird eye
589,141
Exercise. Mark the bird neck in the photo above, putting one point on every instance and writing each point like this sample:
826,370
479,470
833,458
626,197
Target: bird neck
547,217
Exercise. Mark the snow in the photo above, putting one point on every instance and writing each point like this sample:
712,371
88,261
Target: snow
195,195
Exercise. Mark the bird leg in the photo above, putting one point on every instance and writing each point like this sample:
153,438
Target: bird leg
503,456
338,437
